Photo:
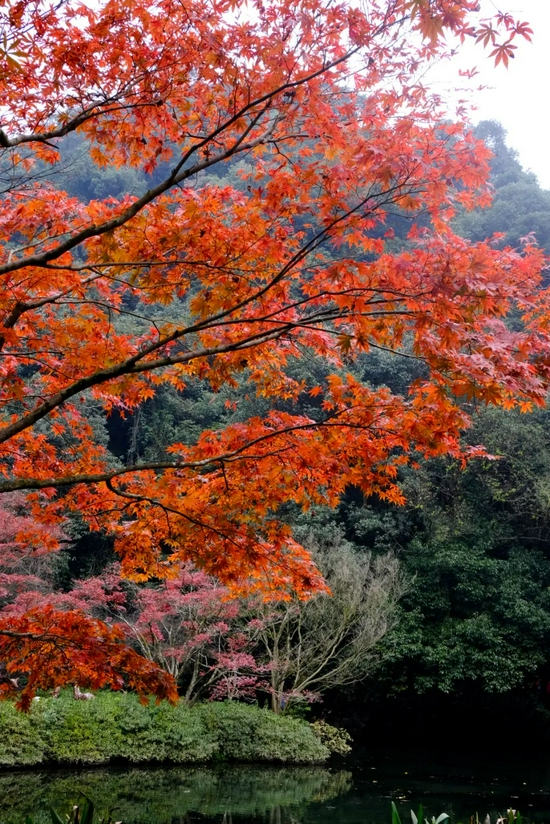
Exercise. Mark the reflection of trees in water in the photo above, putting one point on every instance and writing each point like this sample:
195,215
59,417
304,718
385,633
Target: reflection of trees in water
275,795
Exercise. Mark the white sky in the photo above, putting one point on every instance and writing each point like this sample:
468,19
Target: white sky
520,95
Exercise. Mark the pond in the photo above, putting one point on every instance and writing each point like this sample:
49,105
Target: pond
461,784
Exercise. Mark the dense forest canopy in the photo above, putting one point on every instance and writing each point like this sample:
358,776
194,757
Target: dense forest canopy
203,259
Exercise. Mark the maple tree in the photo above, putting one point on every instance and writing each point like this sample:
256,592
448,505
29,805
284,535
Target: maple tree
323,106
192,628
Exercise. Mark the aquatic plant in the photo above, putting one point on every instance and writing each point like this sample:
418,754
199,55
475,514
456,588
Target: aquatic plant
82,813
511,817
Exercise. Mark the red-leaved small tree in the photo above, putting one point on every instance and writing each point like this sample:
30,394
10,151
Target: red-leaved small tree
191,627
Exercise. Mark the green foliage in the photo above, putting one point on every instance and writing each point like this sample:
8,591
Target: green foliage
518,209
475,543
470,617
81,178
117,726
249,734
395,818
479,607
511,817
163,733
505,166
336,739
21,744
84,732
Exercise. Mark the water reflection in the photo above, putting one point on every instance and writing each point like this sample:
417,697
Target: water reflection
462,784
175,795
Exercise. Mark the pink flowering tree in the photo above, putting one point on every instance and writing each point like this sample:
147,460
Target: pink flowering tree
191,627
27,554
213,644
237,673
28,557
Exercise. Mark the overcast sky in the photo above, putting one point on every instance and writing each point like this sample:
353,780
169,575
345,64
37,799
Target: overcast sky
520,95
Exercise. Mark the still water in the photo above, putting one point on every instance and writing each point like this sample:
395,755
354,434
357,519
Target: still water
358,792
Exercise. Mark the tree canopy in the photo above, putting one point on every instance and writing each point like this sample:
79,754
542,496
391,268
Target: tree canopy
319,114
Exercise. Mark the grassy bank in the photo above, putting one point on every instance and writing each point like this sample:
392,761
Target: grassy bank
117,727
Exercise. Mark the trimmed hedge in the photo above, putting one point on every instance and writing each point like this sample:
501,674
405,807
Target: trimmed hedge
117,727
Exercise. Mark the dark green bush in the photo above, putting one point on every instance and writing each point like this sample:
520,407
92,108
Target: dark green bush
116,726
248,733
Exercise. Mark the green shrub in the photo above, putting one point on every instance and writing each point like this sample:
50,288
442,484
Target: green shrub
335,739
116,726
248,733
163,733
82,732
20,742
